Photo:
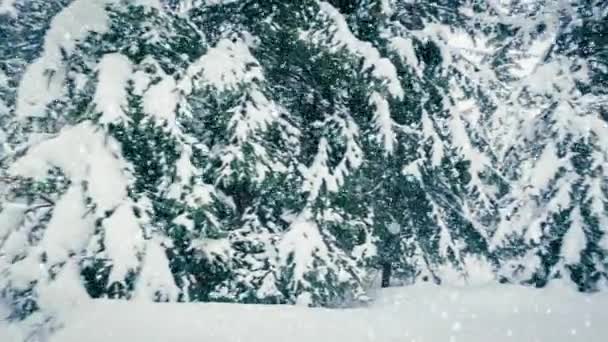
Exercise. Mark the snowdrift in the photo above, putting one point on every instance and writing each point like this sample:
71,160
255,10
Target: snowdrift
413,314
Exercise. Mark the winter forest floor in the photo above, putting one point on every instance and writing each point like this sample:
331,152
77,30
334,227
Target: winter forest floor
421,313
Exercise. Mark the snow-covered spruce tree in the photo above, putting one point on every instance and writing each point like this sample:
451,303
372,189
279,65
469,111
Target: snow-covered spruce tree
242,138
270,153
306,64
555,219
189,213
316,251
446,164
84,215
178,168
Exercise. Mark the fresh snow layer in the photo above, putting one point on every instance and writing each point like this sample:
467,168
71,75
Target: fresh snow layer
224,66
7,7
422,313
114,71
44,79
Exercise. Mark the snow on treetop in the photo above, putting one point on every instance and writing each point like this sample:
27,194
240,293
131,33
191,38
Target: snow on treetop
320,172
383,68
405,48
224,66
44,79
258,113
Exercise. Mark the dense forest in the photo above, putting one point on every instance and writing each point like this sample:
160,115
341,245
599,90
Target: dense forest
300,152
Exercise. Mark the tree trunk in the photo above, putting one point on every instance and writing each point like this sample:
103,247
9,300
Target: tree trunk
386,274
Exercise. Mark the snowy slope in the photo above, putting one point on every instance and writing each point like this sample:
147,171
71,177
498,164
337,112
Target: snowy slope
417,313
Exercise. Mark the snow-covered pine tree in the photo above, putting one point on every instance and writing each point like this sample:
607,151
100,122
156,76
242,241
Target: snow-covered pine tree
450,174
555,217
85,218
312,64
183,208
239,132
178,160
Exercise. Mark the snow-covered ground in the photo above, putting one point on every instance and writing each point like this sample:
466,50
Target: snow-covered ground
411,314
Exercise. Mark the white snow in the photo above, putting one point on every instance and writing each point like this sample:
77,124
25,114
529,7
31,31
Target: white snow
225,66
11,216
39,86
228,67
268,287
383,122
161,100
252,115
3,109
394,227
197,193
455,45
24,272
150,3
106,177
83,154
428,131
65,290
69,229
250,118
479,270
212,248
543,169
575,240
185,221
86,156
533,58
318,173
460,137
15,244
303,242
8,7
387,7
114,71
3,79
65,151
155,280
124,242
44,79
418,313
405,48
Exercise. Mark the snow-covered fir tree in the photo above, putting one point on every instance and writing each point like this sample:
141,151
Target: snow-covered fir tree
554,222
289,151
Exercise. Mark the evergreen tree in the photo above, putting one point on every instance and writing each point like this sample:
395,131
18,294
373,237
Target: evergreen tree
558,206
